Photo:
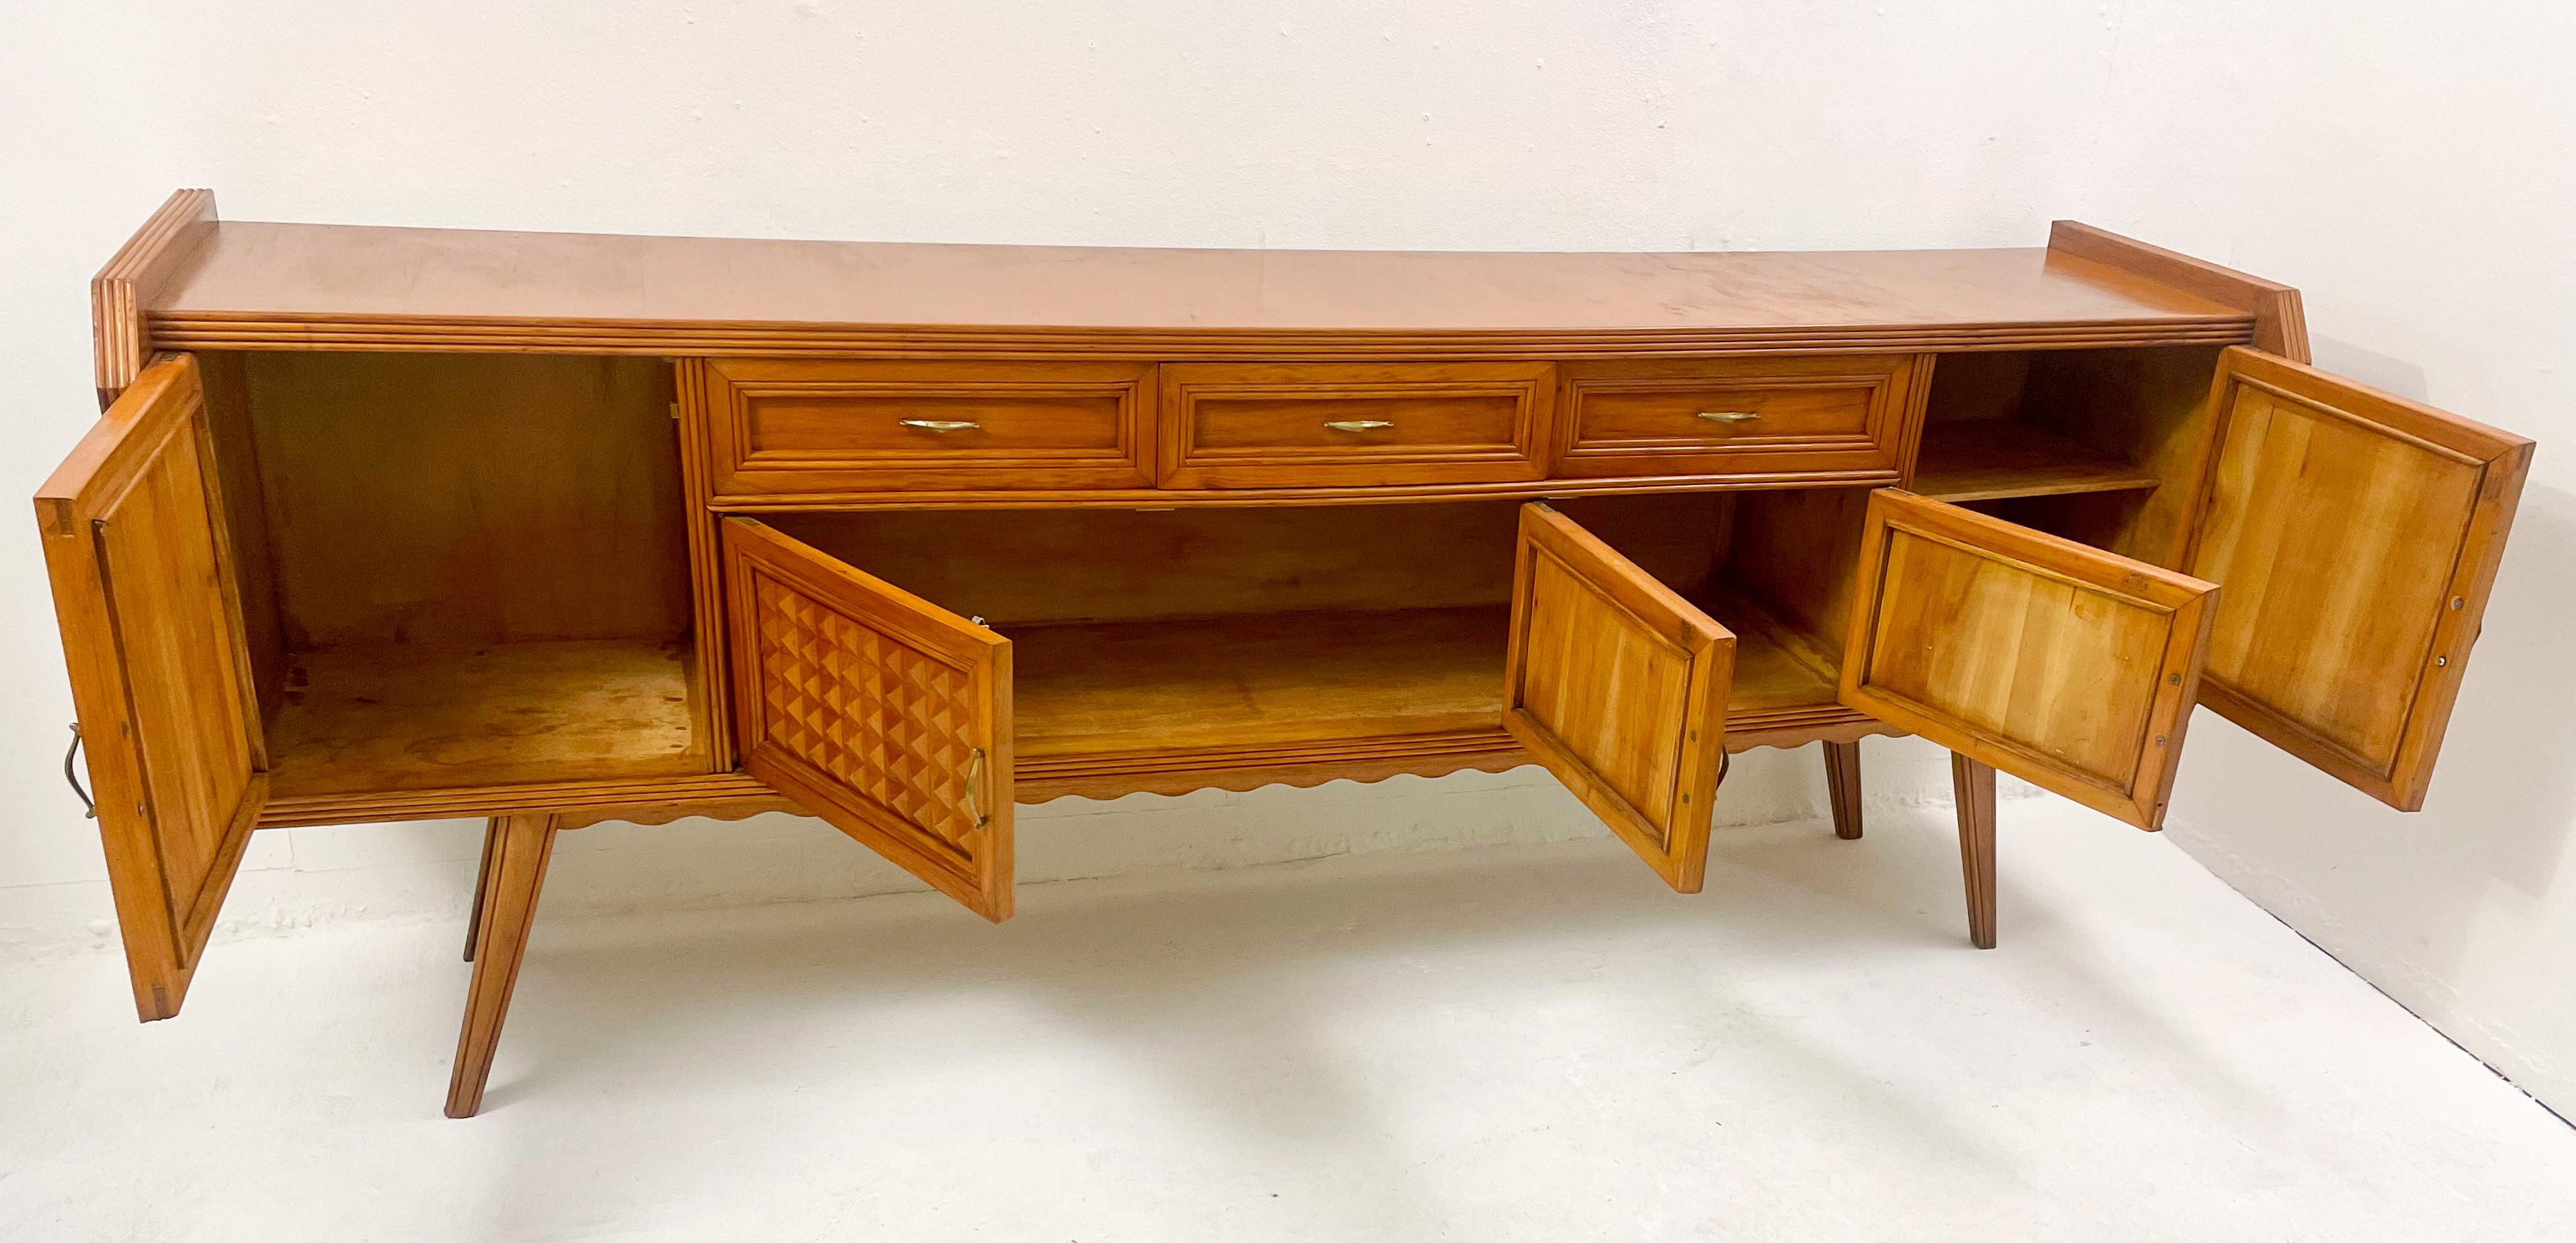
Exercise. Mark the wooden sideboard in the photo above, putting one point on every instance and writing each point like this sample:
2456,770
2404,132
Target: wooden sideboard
555,528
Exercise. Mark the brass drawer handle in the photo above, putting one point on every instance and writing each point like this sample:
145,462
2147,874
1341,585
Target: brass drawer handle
1729,416
940,425
1357,425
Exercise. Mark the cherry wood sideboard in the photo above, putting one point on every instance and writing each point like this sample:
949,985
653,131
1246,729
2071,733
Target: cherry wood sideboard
385,523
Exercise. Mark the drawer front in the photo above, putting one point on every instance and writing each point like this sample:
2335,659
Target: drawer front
832,426
1287,425
1761,418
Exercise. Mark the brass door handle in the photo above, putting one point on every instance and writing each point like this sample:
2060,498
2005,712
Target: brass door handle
975,801
1729,416
940,425
89,806
1357,425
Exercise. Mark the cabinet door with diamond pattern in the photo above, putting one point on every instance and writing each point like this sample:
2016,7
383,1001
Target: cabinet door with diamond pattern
877,710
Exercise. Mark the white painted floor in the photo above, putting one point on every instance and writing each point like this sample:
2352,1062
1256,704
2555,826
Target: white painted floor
1518,1043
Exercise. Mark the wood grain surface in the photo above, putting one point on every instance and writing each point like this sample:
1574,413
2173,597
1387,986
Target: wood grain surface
1618,686
2356,535
146,591
339,286
447,716
2063,665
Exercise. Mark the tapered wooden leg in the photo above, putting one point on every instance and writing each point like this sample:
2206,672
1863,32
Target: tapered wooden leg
482,886
1973,786
1842,787
517,871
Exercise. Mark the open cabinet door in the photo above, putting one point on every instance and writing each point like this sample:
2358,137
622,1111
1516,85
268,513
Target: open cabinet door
142,573
1618,686
2356,535
875,709
2066,666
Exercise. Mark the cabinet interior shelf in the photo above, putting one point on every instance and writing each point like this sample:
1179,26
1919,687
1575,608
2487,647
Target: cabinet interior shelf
437,716
1990,459
1114,688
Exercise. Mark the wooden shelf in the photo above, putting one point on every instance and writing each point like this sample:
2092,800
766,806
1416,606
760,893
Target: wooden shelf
1251,680
1256,680
368,719
1989,459
1779,669
432,716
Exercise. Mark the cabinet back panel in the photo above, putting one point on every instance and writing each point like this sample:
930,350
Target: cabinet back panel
1022,566
1976,384
455,498
1795,553
2147,406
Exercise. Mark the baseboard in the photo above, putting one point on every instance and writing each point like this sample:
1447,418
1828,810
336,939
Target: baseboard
2529,1062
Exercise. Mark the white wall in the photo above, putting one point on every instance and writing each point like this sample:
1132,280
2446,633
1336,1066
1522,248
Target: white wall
2407,164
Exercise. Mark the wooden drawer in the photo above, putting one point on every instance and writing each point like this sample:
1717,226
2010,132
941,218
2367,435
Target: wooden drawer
809,426
1284,425
1786,417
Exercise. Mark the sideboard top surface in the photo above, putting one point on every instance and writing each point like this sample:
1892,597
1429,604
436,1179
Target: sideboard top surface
258,285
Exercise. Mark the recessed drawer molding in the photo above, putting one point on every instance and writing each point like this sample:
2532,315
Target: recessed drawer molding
832,426
1785,417
1283,425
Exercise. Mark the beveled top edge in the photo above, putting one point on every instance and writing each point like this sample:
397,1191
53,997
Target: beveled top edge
253,272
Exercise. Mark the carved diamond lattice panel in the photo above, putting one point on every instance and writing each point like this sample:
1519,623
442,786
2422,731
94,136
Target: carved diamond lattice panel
894,723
